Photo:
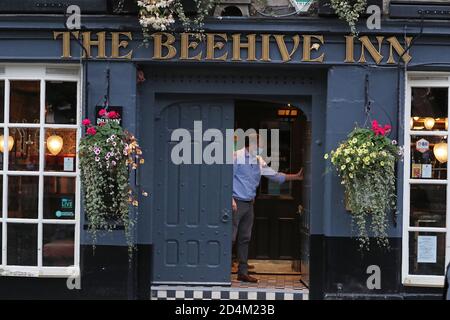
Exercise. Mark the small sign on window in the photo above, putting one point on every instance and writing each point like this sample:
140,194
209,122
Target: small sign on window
427,249
422,145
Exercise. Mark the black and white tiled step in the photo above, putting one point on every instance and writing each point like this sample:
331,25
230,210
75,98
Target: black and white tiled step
165,292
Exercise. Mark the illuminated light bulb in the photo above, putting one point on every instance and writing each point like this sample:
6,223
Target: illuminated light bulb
446,123
429,123
10,143
411,123
440,152
55,144
416,118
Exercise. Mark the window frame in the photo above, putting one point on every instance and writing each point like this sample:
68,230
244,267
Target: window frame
42,73
413,80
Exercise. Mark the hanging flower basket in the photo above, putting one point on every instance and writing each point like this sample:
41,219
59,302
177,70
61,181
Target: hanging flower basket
349,11
365,162
108,154
160,14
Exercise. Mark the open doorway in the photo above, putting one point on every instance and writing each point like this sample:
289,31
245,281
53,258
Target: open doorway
279,248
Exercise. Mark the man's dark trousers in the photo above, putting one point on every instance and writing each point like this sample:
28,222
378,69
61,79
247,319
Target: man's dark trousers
242,232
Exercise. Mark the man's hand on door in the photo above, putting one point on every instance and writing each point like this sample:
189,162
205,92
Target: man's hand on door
300,175
296,176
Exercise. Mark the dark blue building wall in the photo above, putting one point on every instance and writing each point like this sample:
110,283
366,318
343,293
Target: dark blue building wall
346,109
122,92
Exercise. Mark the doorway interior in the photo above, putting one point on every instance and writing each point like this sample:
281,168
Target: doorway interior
280,233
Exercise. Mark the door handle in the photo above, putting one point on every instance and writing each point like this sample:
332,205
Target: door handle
225,216
300,209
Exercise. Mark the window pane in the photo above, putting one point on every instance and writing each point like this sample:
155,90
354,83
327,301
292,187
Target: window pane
1,242
1,196
61,102
58,249
59,198
25,102
22,244
2,141
24,155
429,108
23,197
428,157
60,151
426,253
428,206
2,101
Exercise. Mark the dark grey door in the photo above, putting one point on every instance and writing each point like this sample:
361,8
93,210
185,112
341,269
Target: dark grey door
192,202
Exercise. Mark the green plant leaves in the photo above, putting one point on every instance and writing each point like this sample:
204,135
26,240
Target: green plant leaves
366,164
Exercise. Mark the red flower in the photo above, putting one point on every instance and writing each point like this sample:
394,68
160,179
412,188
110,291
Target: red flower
112,115
91,131
380,130
86,122
102,112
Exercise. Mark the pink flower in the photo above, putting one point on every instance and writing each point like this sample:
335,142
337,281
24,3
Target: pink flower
102,112
112,115
86,122
101,124
91,131
380,130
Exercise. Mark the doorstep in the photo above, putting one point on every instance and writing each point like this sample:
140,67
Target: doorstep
171,292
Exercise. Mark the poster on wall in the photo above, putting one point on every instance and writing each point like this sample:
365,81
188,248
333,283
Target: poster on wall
426,249
117,109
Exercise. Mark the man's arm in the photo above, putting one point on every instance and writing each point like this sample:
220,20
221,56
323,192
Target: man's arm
295,176
279,177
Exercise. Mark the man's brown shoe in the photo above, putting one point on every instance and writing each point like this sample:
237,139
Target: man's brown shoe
246,278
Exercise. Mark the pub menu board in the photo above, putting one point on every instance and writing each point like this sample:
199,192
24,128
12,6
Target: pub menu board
99,119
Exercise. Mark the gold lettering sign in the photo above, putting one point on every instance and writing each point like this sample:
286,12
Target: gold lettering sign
237,47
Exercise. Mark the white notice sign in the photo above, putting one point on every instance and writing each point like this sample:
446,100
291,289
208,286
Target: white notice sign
427,249
68,164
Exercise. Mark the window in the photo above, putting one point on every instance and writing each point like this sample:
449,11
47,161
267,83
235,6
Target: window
426,249
39,180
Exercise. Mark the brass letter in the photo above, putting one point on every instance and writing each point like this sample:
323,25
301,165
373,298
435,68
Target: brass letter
186,45
285,55
250,45
158,45
366,44
211,46
394,44
65,41
349,49
265,47
307,48
100,43
117,44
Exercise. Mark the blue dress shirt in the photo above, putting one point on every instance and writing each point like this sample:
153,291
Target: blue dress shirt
247,172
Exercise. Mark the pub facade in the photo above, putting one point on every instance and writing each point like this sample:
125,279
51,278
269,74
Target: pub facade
244,72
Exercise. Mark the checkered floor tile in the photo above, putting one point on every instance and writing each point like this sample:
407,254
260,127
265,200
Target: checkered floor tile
224,293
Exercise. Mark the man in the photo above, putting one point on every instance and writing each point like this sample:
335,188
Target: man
248,168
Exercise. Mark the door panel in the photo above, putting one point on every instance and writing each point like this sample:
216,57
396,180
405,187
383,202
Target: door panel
192,202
